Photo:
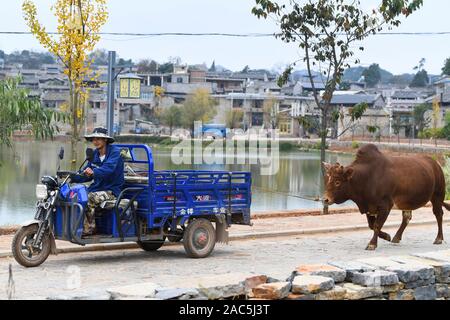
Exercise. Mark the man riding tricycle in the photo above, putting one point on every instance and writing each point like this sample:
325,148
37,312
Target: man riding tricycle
129,201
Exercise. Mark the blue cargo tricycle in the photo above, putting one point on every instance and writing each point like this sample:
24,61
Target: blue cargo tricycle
154,206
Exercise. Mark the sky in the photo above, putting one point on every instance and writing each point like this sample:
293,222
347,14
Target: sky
398,54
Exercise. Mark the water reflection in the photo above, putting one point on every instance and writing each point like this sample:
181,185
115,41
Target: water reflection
298,176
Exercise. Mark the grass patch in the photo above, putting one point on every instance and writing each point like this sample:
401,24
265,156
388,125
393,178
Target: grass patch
355,145
287,146
306,146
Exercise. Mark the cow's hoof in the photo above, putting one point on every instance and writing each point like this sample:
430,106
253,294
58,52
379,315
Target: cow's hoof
438,241
396,240
387,237
371,247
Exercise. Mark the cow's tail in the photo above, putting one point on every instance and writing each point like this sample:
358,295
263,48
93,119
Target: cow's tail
446,206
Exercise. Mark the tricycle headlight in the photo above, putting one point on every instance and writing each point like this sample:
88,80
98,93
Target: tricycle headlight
41,191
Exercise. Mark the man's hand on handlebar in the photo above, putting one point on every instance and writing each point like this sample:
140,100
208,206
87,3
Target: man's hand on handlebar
88,172
71,174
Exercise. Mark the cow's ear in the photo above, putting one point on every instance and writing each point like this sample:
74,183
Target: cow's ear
348,174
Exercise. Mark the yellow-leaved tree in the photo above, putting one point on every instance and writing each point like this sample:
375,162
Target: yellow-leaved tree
79,24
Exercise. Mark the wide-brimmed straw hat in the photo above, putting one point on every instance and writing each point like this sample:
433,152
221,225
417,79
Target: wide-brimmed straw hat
99,132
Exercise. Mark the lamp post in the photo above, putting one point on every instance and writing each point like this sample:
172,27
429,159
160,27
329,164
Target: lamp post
112,75
111,92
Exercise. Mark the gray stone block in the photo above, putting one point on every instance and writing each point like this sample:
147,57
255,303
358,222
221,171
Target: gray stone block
425,293
412,272
171,293
441,268
375,278
324,270
445,280
311,284
443,291
352,267
420,283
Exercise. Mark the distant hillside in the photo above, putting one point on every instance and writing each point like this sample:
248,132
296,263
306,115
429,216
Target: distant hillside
354,74
29,59
297,75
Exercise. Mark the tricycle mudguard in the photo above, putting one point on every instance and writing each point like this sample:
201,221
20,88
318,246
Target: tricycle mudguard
221,229
53,249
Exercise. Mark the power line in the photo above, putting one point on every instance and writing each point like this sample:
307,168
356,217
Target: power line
159,34
220,34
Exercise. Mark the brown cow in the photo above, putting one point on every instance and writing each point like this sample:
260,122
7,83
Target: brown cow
377,183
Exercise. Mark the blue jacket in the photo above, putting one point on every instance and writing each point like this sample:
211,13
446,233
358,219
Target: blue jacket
108,175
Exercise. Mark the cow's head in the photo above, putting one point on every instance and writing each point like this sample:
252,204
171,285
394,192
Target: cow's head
337,183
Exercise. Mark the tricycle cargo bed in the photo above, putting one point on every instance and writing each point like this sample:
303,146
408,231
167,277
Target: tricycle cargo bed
203,193
185,194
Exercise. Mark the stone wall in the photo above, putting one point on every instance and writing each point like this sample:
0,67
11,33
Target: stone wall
410,277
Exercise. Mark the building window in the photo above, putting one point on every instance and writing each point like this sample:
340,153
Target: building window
257,119
238,103
258,104
285,128
179,80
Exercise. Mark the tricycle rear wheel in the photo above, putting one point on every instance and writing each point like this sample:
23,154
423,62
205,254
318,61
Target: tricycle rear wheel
199,238
22,250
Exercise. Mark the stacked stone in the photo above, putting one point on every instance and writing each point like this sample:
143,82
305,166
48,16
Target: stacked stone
418,277
440,261
317,282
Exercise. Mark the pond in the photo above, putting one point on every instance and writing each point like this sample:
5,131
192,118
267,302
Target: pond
298,176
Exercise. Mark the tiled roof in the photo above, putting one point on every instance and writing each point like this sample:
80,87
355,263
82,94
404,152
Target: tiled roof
409,94
55,96
353,99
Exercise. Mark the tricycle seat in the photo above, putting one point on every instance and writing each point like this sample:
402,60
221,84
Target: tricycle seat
110,204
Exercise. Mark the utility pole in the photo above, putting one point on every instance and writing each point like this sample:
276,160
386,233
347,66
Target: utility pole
111,92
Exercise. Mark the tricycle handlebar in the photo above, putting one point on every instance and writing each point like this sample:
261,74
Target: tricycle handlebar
61,174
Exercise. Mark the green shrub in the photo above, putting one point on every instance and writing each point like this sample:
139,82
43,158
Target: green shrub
286,146
318,146
355,144
446,169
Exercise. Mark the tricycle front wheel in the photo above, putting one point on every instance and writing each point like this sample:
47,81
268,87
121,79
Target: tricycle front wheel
199,238
23,251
